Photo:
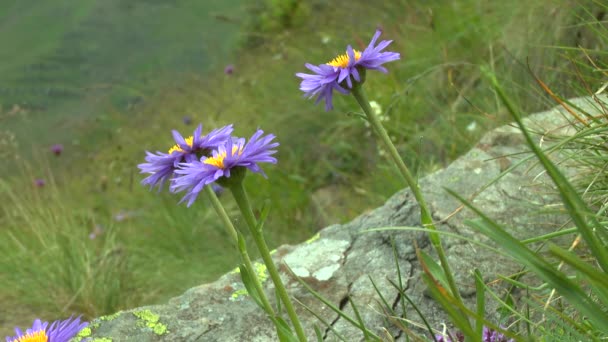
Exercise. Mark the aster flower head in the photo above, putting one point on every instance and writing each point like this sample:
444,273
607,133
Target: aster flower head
340,72
58,331
229,69
57,149
161,166
229,160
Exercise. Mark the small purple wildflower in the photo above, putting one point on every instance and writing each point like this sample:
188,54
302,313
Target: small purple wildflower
39,182
445,338
57,149
195,175
345,68
229,69
487,335
161,166
187,120
58,331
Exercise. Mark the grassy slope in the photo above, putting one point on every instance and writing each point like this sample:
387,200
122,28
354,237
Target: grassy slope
431,96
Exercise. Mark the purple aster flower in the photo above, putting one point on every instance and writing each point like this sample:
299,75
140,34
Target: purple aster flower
161,166
57,149
322,82
345,68
229,69
58,331
187,120
235,153
39,182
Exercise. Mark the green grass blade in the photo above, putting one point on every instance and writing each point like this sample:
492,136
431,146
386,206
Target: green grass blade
330,304
318,334
366,335
448,303
384,302
584,268
573,293
581,215
481,301
396,258
327,324
409,300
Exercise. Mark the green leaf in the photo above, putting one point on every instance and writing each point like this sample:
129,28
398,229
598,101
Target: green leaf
435,270
253,293
450,305
318,333
283,330
263,216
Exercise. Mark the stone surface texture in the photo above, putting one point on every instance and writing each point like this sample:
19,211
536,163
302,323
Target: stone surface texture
340,262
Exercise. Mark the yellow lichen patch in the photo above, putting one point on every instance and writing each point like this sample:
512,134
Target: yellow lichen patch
151,320
236,294
101,339
260,273
342,60
179,149
110,317
85,332
37,336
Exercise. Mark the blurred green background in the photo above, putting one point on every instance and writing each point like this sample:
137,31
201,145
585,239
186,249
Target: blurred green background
110,79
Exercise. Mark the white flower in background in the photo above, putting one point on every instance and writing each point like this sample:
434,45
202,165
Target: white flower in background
472,126
325,39
376,107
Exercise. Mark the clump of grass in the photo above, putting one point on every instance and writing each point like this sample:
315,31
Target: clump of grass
50,263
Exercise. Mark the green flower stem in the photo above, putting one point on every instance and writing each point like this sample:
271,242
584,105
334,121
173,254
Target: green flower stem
219,208
425,215
238,191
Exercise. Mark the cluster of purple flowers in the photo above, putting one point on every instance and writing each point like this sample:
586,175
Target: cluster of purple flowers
487,335
58,331
201,160
339,73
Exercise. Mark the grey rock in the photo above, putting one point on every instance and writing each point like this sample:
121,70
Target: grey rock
340,262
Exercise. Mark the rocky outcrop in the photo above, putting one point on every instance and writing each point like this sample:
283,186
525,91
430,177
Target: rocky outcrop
342,259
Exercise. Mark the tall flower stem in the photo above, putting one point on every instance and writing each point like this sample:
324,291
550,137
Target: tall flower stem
425,215
238,191
219,208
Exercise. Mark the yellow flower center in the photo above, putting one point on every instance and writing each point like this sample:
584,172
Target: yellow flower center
179,149
38,336
342,60
218,161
